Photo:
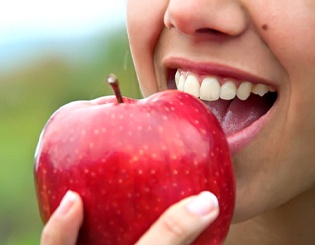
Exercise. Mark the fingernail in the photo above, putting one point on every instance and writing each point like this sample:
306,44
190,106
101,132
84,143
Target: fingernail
203,204
66,203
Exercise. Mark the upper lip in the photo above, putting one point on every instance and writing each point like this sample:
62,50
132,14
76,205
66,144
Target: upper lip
204,68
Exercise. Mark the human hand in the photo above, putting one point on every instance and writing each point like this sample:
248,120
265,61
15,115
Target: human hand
183,222
63,226
180,224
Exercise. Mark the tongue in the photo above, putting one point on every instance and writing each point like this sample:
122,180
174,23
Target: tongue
236,115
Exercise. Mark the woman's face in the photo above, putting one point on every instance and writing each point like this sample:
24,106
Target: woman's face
223,47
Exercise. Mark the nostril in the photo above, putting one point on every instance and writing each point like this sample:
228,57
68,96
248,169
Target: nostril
213,34
167,21
209,31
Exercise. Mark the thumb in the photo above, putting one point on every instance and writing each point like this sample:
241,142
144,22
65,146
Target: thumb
64,224
183,222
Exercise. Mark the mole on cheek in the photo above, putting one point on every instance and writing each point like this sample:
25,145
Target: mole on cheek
265,27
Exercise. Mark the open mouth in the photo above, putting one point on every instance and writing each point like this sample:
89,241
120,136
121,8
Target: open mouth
237,104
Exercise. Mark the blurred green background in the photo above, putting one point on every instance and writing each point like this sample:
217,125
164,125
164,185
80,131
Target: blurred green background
30,91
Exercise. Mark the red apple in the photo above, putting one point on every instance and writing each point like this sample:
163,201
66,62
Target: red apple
130,161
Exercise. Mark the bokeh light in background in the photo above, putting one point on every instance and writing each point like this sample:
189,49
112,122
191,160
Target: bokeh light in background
51,53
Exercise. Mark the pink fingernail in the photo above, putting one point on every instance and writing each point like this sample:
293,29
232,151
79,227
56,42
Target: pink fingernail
66,203
203,204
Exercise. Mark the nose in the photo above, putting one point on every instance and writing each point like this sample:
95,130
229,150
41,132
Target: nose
212,17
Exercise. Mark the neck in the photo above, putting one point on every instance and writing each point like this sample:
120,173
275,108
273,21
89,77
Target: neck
292,223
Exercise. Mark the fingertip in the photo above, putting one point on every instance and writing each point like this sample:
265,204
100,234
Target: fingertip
67,202
203,204
184,221
63,226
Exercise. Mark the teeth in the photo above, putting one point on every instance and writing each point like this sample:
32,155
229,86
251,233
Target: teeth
271,89
211,90
228,90
181,83
260,89
177,77
244,90
192,86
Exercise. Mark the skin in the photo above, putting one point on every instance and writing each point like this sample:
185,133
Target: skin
272,40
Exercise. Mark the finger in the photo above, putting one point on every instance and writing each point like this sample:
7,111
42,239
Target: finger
63,226
183,222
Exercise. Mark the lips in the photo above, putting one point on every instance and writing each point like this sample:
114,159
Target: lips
240,105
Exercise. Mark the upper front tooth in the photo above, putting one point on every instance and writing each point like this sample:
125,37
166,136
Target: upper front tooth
228,90
260,89
244,90
181,83
192,86
210,89
177,76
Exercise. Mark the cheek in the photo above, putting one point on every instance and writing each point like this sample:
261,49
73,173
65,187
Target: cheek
290,37
289,31
263,184
293,44
144,25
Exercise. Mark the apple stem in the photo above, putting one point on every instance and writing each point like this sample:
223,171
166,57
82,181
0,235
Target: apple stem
114,83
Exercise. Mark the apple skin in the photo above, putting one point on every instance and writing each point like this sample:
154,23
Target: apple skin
130,161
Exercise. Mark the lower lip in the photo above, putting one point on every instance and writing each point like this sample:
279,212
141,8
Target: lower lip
239,140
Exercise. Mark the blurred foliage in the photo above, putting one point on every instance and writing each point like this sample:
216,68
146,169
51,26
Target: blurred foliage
29,94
